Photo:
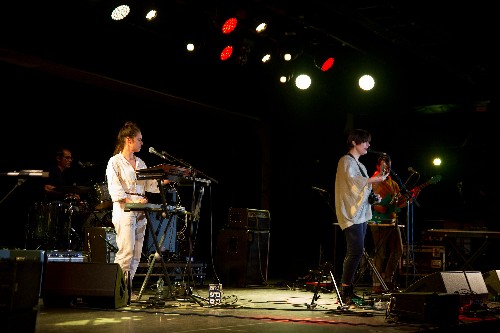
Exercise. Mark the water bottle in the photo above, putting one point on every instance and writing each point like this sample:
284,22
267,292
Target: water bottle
159,288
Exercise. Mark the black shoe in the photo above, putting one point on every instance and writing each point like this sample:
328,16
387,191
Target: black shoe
346,299
128,283
355,297
349,297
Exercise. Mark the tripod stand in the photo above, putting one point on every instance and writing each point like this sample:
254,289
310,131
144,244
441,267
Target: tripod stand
316,296
375,271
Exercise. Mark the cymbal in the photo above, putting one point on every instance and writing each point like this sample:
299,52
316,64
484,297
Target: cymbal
74,189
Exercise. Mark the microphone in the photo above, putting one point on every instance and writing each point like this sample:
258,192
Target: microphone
319,189
412,170
153,151
377,152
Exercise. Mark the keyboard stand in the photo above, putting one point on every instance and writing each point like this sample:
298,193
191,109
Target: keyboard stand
151,258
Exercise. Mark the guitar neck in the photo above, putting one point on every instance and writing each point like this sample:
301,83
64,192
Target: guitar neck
421,186
433,180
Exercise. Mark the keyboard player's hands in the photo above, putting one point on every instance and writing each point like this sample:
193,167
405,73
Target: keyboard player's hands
142,200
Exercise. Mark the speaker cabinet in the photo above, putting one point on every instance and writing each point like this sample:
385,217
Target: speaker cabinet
431,307
242,256
492,281
20,279
246,218
20,287
99,285
469,285
19,321
100,244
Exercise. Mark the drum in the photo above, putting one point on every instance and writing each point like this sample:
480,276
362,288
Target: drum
102,199
101,218
80,208
76,213
48,224
44,219
100,244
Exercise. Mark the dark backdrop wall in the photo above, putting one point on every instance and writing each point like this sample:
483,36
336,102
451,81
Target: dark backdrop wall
270,161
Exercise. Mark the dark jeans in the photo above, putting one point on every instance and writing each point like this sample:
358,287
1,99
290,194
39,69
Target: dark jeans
355,243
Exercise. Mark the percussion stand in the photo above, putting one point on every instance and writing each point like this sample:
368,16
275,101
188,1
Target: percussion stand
71,231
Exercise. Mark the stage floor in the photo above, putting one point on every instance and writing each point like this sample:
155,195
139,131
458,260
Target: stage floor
272,308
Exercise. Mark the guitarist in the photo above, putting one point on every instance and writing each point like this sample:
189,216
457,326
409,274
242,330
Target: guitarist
386,238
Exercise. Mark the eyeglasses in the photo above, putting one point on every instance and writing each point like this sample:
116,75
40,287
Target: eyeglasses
68,157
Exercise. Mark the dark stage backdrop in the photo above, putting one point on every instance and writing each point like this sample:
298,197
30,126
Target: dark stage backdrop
266,162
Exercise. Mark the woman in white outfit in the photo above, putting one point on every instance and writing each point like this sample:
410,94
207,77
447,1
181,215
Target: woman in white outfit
124,187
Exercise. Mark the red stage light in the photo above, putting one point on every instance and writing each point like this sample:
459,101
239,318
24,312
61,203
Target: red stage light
229,25
327,64
226,53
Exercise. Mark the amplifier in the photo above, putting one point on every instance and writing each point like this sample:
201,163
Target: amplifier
22,255
242,256
424,259
20,283
246,218
432,307
67,256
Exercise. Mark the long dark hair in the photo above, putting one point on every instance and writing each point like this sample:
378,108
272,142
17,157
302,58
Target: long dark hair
128,130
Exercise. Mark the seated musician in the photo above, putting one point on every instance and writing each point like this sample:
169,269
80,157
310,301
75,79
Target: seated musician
387,240
60,177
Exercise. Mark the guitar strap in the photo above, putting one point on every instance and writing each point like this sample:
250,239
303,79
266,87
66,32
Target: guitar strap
362,172
359,166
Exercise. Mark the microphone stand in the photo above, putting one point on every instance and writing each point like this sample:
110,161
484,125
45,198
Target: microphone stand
20,181
187,165
408,195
